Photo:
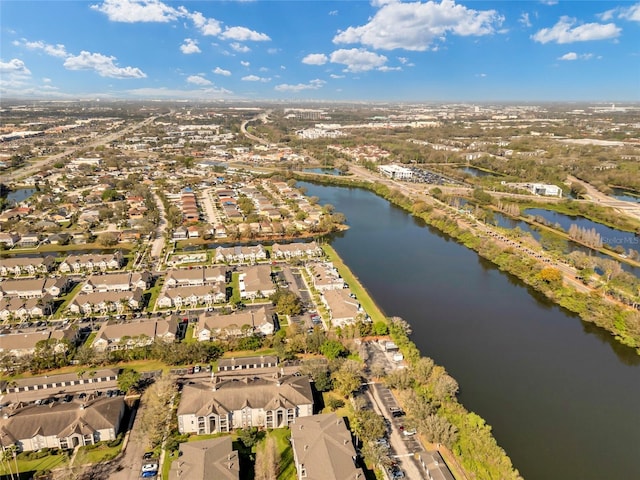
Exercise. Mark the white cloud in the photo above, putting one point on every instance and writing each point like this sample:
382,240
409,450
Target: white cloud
221,71
272,51
244,64
255,78
570,56
333,12
631,13
315,59
385,68
14,66
58,50
627,13
524,20
565,32
190,46
133,11
207,26
415,26
358,59
312,85
481,75
238,47
203,93
102,65
243,34
198,80
549,2
333,75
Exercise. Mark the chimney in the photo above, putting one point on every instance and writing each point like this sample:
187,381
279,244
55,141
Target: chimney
306,447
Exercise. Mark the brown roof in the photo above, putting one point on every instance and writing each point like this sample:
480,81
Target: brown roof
234,394
323,445
211,459
63,419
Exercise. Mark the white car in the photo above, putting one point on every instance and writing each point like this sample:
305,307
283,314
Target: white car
408,433
150,467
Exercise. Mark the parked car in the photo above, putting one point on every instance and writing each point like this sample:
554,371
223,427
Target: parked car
149,474
150,467
147,456
196,369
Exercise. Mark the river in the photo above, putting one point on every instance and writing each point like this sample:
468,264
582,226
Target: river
562,397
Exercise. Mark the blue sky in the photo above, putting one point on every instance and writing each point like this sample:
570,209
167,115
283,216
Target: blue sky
383,50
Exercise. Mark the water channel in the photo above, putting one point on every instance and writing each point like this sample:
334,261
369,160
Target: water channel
561,395
612,237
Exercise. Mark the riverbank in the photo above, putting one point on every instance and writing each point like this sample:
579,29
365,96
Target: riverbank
475,449
623,323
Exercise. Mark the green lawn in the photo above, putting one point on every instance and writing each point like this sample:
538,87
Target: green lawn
99,454
46,463
355,286
188,336
287,465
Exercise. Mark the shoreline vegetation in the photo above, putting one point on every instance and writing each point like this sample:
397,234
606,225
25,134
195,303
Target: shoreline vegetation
623,323
428,395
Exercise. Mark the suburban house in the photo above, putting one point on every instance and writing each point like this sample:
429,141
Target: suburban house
112,282
247,363
213,326
123,336
223,405
26,265
190,277
9,239
434,465
296,250
92,262
240,254
33,287
323,448
20,344
193,296
324,276
106,302
206,459
62,425
65,380
256,282
343,309
21,308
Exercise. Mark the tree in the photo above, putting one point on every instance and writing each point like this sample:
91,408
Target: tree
107,239
551,275
128,379
368,425
333,349
286,302
248,436
156,416
347,379
437,429
267,466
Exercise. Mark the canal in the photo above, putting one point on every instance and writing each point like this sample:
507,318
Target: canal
561,395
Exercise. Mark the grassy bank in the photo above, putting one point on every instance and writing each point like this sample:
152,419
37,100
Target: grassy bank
623,323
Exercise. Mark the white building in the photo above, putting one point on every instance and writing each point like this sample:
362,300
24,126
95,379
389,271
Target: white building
396,171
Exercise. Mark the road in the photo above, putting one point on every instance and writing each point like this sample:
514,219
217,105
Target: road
161,230
243,127
627,208
48,161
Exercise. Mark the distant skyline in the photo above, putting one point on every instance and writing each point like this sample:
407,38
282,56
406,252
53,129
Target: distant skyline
383,50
